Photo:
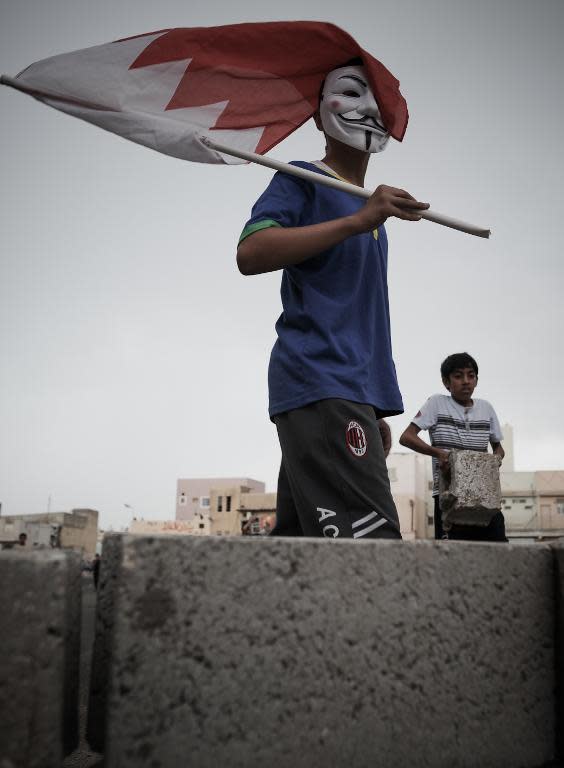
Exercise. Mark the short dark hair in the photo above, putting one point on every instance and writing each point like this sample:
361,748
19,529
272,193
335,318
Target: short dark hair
458,360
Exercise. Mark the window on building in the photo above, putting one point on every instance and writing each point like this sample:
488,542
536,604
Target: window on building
204,502
201,525
194,499
560,506
228,503
182,500
220,503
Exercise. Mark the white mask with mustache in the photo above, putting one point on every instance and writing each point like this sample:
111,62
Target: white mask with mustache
349,112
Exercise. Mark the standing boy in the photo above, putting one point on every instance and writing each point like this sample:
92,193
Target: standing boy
331,374
461,422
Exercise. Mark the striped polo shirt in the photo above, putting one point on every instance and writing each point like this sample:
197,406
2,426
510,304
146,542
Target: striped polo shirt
452,425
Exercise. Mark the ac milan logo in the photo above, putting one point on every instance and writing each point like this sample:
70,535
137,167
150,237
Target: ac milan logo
356,439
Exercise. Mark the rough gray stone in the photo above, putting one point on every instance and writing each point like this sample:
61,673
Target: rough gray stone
39,657
471,492
298,653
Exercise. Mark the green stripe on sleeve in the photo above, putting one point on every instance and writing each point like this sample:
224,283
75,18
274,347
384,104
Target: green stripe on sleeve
258,225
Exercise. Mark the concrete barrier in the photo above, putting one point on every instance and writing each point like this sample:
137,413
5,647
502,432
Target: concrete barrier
110,570
558,551
39,657
304,653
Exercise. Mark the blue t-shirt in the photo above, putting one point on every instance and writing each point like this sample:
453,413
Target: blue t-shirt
334,331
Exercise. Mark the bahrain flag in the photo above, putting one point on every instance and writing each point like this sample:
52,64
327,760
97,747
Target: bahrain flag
246,85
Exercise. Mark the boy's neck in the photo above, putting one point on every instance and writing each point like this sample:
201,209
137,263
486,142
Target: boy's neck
464,403
347,162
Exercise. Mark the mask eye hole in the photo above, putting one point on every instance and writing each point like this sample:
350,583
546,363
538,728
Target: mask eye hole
354,94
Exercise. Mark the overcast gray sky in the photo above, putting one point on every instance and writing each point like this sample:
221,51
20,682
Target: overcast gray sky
132,351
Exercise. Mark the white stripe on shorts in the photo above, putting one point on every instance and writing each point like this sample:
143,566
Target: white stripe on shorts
364,519
364,531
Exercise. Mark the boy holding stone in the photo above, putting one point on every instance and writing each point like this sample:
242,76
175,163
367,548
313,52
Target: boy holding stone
457,421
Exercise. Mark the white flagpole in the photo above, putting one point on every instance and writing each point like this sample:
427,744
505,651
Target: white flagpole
330,181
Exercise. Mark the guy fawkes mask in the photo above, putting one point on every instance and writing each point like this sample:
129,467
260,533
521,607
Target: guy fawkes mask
349,112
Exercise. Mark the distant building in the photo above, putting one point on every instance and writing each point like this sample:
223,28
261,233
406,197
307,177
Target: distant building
77,529
411,485
193,497
231,506
179,527
214,506
533,504
508,446
257,513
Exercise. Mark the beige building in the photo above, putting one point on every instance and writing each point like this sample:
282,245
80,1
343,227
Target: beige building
411,485
508,446
77,529
226,508
193,527
232,506
257,512
533,504
193,497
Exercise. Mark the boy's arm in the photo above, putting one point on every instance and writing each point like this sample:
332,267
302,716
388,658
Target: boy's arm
278,247
410,439
498,450
496,436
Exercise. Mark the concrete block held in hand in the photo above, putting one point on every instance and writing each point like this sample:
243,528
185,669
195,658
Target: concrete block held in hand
470,493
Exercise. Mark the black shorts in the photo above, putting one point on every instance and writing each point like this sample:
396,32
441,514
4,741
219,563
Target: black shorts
333,477
495,531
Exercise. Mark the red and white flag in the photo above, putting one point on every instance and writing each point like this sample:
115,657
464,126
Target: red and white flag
245,85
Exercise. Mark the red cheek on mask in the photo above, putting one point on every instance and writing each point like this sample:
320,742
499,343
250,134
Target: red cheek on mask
335,105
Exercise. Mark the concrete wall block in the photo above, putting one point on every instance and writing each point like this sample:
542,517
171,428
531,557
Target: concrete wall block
40,602
471,494
301,653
